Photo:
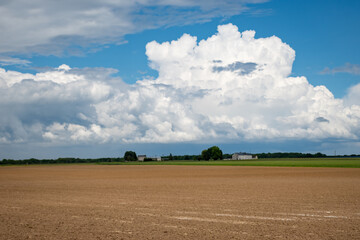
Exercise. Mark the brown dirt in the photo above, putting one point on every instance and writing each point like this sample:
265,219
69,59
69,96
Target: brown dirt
178,202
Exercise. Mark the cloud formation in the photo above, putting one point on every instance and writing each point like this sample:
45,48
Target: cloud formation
347,68
50,26
229,87
6,60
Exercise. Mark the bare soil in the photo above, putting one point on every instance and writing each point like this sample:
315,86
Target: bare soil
178,202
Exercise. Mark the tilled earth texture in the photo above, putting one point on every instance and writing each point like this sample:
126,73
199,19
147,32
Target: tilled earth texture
178,202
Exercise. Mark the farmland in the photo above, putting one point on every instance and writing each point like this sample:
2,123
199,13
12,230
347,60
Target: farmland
178,202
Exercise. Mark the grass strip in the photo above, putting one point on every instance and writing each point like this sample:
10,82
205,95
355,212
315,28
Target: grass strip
280,162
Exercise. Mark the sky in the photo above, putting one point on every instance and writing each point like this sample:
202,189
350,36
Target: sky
98,78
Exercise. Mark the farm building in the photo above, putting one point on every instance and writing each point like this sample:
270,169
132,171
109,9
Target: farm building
141,158
243,156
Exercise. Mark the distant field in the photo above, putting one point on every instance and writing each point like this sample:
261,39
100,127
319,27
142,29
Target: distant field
274,162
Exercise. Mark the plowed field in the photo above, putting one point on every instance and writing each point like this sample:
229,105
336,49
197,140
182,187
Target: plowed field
178,202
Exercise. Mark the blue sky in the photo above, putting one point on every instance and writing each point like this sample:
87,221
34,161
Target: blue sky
110,66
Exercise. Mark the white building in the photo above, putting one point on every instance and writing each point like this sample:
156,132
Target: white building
141,158
243,156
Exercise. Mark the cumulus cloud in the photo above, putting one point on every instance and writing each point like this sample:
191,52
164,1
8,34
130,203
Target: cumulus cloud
32,103
229,87
347,68
353,96
50,26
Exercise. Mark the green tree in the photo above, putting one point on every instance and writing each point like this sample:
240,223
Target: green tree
213,152
130,156
205,155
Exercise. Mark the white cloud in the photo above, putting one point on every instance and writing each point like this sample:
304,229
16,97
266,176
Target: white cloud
6,60
353,96
49,26
229,87
29,104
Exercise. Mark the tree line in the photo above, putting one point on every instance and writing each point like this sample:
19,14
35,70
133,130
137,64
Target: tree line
57,161
290,155
212,153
